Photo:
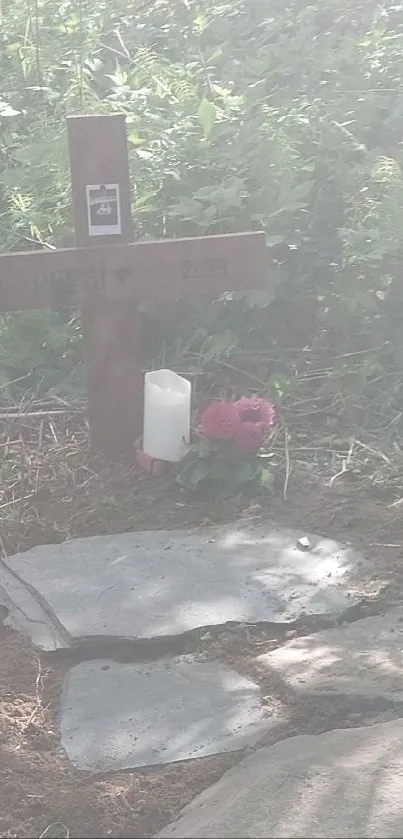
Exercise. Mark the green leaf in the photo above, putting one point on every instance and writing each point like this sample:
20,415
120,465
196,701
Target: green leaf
192,473
145,154
266,478
134,139
259,299
302,190
206,114
13,48
245,472
220,345
271,241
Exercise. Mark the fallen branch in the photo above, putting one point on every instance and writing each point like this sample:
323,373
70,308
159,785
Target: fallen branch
6,415
287,464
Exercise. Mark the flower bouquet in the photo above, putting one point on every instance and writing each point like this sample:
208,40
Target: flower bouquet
227,455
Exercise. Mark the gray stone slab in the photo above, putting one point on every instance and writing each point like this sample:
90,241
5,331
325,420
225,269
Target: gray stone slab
162,583
343,783
123,716
363,658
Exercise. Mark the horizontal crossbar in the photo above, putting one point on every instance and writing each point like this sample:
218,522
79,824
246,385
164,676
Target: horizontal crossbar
161,270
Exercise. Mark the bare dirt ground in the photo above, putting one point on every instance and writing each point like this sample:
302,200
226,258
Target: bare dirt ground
40,793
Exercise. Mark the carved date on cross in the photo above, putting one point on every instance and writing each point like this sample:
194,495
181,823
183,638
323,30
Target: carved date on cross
201,269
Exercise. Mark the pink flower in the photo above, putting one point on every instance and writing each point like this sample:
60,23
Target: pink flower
249,436
220,421
256,410
244,422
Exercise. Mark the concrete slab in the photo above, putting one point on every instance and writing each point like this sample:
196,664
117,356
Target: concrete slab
343,783
162,583
363,658
146,714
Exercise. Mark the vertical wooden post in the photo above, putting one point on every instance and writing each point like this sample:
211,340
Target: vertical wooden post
98,157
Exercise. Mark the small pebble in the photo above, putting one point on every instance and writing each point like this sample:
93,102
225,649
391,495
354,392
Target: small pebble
303,544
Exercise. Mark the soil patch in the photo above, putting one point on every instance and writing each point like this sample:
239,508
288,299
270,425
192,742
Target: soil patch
42,795
40,791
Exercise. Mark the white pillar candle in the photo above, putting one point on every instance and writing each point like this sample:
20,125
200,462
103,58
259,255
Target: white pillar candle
166,427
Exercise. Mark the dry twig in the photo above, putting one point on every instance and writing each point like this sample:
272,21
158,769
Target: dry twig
287,464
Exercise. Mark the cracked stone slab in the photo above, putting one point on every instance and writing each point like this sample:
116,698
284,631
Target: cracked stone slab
362,658
148,714
342,783
164,583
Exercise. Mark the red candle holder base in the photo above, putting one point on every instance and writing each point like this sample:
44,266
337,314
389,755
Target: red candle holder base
151,464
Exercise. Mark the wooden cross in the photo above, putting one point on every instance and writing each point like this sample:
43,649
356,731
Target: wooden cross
107,276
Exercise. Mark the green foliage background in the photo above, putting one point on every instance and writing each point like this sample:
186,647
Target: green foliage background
286,117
